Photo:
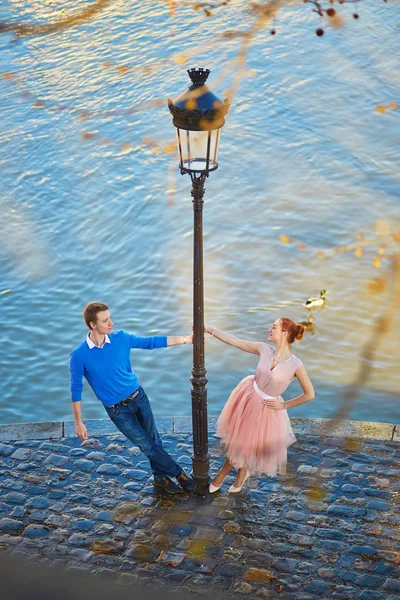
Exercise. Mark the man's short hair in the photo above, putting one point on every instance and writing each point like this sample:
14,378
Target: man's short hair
91,310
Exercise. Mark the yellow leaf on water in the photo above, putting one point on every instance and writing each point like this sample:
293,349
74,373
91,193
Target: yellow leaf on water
380,109
8,75
358,252
320,255
377,285
285,239
377,262
392,106
5,292
123,69
180,59
336,21
382,227
169,149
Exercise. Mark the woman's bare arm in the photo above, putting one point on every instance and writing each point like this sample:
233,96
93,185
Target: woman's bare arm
232,340
307,395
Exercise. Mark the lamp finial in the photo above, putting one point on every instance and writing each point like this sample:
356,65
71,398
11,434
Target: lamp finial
198,77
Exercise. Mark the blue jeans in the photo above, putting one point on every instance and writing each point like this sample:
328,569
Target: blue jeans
136,421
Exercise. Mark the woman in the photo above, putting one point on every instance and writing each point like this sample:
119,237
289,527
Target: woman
254,426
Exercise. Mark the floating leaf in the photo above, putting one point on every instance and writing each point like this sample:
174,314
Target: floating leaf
87,135
8,75
382,227
377,286
392,106
336,21
358,252
384,325
5,292
169,149
377,262
123,69
285,239
180,59
320,255
380,109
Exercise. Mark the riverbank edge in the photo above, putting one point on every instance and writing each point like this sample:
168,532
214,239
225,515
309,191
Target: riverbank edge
176,425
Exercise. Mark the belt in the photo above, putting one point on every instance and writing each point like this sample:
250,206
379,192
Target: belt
261,393
126,400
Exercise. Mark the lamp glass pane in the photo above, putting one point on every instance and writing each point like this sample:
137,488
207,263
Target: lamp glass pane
193,147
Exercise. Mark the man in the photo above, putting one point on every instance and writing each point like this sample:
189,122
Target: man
104,360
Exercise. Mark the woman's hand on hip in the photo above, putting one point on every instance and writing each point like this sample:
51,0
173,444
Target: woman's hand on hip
275,403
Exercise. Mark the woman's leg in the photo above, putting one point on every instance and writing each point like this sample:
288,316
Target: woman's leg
222,473
241,474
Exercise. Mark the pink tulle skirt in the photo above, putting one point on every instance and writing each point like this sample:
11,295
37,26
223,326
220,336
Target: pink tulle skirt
252,434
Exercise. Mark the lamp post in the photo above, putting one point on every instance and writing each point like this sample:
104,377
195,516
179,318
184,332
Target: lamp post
198,116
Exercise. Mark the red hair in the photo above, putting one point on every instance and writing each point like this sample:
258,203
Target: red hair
294,330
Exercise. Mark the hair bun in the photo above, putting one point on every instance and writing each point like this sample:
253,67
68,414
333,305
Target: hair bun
299,332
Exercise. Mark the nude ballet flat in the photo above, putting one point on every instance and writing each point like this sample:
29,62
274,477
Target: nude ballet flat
235,490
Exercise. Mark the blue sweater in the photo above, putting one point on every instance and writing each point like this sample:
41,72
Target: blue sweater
108,369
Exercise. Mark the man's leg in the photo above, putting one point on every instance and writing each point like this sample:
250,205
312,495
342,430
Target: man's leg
146,419
126,419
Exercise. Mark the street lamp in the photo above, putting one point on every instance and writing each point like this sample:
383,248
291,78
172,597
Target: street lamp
198,116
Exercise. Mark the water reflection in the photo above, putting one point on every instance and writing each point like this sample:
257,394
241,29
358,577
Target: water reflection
103,216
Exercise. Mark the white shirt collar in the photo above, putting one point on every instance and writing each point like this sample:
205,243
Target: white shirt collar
92,345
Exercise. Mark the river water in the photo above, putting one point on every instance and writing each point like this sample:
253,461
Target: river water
93,206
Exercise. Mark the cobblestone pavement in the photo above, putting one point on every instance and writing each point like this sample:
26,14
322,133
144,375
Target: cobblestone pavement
328,529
